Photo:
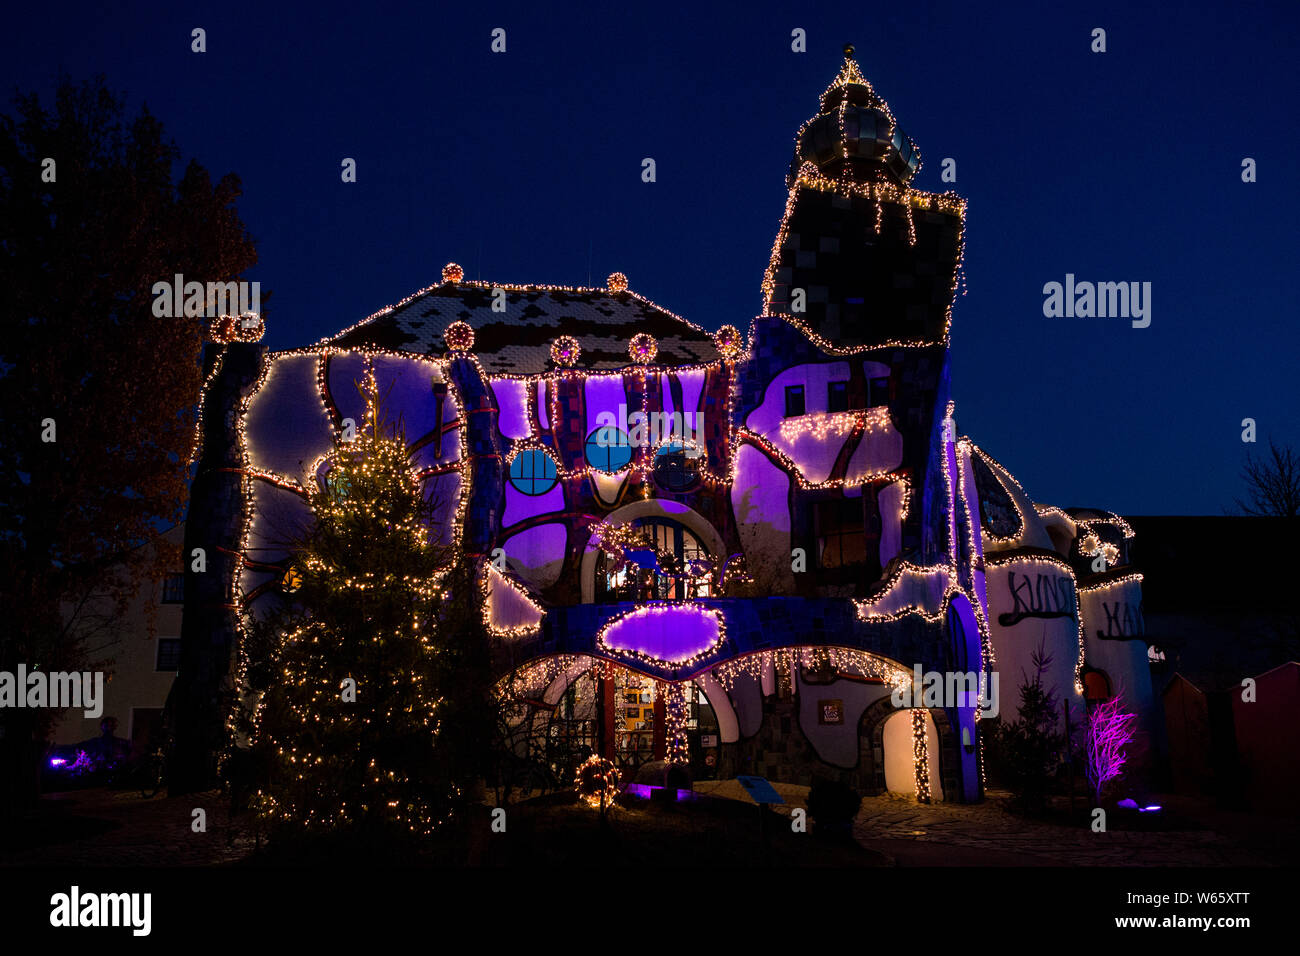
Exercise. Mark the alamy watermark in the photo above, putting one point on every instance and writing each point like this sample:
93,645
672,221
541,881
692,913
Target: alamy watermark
57,689
1102,300
950,689
211,300
651,429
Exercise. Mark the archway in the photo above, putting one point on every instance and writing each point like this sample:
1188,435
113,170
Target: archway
564,709
661,509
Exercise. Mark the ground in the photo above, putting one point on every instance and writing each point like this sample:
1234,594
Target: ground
120,828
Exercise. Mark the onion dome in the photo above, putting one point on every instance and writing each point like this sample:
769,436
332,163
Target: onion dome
855,135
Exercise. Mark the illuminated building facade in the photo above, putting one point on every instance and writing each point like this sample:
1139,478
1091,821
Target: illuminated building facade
761,536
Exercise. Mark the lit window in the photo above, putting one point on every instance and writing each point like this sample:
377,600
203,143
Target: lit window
608,449
674,545
793,401
533,472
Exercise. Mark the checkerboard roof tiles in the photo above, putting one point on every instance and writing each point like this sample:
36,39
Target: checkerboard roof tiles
518,340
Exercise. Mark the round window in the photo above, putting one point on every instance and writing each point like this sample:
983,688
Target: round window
533,472
608,449
677,466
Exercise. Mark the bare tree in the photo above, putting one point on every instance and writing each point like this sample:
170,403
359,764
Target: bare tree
1272,483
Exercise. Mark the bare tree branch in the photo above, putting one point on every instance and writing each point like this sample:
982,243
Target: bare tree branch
1272,484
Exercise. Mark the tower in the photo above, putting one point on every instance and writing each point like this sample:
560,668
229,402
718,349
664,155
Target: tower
857,302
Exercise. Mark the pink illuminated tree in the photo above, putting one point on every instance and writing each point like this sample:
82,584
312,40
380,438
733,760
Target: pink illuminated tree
1109,732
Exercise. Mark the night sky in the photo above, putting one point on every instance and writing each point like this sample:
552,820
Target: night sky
526,167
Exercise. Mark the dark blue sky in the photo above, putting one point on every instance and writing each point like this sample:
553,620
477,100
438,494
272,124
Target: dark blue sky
525,167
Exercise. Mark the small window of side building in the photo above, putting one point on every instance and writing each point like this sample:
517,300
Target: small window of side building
794,405
837,396
878,391
169,654
174,588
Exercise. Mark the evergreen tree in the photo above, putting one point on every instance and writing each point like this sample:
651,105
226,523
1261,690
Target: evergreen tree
1024,754
364,683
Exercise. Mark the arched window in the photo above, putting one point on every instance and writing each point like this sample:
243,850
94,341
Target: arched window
1096,686
608,449
533,472
677,466
672,543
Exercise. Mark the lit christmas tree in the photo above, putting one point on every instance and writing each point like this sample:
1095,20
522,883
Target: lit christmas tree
364,688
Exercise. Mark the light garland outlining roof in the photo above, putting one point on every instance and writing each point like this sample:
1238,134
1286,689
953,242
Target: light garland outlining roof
519,339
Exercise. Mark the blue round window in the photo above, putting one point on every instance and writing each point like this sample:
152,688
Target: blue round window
608,449
677,466
533,472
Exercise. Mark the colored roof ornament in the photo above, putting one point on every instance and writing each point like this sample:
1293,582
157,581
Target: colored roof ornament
459,336
247,327
643,348
452,273
616,282
565,351
729,342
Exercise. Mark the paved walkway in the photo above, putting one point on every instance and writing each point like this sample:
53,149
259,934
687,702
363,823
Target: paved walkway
987,834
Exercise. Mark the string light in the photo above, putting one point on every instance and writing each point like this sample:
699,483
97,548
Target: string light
920,755
596,782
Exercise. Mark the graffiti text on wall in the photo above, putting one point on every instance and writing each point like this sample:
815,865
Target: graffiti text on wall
1050,596
1123,622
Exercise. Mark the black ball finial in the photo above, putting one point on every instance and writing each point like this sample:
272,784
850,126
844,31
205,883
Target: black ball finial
848,50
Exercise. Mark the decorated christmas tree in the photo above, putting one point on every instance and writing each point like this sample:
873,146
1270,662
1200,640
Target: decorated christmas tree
366,676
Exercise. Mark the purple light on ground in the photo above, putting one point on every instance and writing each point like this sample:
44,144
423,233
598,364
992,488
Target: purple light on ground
57,761
647,791
665,633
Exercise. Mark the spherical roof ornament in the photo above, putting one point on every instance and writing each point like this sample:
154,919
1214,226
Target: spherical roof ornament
848,50
459,336
643,348
616,282
565,351
729,342
452,273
